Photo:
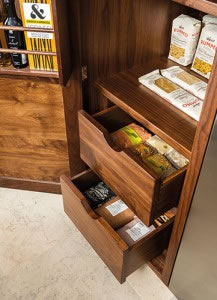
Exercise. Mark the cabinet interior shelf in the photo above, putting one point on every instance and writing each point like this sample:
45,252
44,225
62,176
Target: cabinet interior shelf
206,6
21,28
22,51
155,113
27,72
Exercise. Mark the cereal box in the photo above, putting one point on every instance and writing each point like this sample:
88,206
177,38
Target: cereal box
174,94
206,50
185,35
186,80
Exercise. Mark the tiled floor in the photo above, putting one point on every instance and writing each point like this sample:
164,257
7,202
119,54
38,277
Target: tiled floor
43,256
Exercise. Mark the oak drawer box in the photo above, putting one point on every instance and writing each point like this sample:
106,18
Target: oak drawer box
121,259
146,194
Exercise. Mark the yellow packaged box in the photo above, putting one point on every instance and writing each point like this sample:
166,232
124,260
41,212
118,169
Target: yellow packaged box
38,14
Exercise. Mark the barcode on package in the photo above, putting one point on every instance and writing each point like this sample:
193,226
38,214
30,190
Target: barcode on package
138,231
117,207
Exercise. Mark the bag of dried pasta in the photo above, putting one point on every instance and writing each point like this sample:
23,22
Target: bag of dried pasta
185,35
204,57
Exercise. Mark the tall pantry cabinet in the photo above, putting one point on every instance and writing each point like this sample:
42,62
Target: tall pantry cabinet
120,41
104,46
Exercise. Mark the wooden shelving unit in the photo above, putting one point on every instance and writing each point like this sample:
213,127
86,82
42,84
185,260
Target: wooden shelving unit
149,109
61,32
206,6
27,72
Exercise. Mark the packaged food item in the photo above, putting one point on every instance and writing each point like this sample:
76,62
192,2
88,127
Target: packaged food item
144,150
115,212
39,14
206,50
161,146
187,81
174,94
160,165
177,159
130,135
185,35
99,194
209,19
134,231
165,217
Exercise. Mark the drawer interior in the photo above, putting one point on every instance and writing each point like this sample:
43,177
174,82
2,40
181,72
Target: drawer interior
144,191
121,258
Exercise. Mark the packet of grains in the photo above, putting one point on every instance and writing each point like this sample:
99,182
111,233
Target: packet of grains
185,35
209,19
187,81
206,50
174,94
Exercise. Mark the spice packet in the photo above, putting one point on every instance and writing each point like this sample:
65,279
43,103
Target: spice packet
187,81
144,150
177,159
185,35
206,50
174,94
160,165
99,194
161,146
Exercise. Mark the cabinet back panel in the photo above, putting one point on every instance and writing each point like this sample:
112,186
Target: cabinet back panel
119,34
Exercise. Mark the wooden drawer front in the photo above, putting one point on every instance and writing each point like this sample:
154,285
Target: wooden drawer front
123,171
121,259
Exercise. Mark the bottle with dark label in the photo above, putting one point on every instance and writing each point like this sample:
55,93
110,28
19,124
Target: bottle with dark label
5,59
15,39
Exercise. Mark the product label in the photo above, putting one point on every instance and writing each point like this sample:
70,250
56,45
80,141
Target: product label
117,207
138,231
132,135
37,15
40,35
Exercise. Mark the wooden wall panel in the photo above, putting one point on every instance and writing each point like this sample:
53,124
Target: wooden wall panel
117,34
32,130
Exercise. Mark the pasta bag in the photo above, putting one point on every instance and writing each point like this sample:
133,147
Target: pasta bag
185,35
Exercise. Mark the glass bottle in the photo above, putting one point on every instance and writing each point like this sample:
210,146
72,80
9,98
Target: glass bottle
15,39
5,59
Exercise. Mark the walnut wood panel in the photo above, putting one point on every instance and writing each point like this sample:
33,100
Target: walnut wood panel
123,171
32,136
72,94
121,259
30,185
199,148
27,72
207,6
148,108
117,35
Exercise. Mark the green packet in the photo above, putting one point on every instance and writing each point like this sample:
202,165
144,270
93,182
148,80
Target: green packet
160,165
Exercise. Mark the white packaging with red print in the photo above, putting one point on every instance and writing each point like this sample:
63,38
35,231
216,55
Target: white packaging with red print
206,50
184,39
174,94
209,19
187,81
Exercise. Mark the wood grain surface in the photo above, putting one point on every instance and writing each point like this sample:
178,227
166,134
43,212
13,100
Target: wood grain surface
134,182
116,35
199,148
121,259
155,113
207,6
32,136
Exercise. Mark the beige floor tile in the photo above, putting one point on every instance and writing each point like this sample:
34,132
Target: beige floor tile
148,285
30,223
69,270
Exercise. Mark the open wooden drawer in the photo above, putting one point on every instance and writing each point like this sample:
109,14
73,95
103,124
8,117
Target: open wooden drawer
146,194
121,259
